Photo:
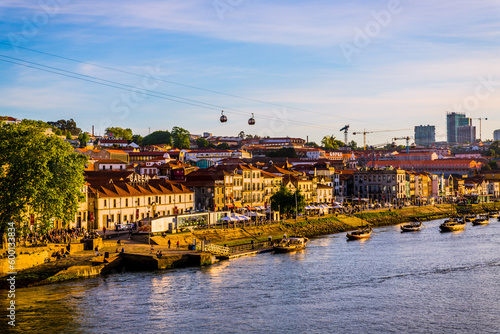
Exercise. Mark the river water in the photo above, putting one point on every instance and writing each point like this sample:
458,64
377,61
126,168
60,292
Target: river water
421,282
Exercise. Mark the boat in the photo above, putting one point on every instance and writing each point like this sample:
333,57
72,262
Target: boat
481,220
411,227
290,244
360,234
493,215
452,224
469,218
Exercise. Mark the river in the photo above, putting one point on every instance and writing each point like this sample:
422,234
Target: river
421,282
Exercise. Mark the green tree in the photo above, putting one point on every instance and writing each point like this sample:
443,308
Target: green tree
284,201
157,138
83,138
137,139
284,152
241,135
58,132
330,142
202,142
42,176
180,137
68,135
66,125
118,132
312,144
353,145
223,146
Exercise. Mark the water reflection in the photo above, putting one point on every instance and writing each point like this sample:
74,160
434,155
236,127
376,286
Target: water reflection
368,286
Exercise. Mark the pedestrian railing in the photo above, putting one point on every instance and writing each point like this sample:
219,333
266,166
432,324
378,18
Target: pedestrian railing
217,250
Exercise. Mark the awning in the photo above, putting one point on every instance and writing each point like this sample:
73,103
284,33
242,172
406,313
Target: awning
238,204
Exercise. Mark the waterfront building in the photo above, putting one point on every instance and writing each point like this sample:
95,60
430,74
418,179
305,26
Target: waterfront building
324,193
425,135
272,184
453,121
213,189
382,185
126,197
301,183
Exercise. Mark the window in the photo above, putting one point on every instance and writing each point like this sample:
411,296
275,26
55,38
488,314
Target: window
105,203
126,202
114,203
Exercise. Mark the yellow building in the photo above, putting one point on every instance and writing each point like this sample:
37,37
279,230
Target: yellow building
134,199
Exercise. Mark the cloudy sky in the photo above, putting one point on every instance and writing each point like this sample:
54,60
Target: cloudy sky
304,68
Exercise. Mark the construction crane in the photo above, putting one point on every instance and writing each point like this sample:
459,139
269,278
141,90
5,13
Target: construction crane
407,142
365,132
345,128
480,118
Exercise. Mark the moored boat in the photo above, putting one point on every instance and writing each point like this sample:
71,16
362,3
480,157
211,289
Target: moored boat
452,224
290,244
481,220
469,218
493,215
411,227
360,234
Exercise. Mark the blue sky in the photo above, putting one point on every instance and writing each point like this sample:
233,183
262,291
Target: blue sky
304,68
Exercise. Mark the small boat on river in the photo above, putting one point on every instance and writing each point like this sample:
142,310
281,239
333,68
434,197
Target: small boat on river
493,215
411,227
481,220
469,218
290,244
452,224
360,234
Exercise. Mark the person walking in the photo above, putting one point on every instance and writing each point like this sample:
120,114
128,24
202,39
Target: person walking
169,243
178,244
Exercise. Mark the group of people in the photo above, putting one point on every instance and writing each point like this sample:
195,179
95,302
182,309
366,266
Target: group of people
56,236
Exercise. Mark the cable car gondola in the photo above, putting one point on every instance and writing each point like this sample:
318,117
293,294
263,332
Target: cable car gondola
251,121
223,118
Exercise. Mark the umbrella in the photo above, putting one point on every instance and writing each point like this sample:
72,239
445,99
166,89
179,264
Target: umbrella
256,214
229,219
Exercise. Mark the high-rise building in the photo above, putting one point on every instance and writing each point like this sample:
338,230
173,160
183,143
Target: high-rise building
454,121
466,134
425,135
496,135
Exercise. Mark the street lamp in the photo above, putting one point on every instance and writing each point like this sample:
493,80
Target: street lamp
151,210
